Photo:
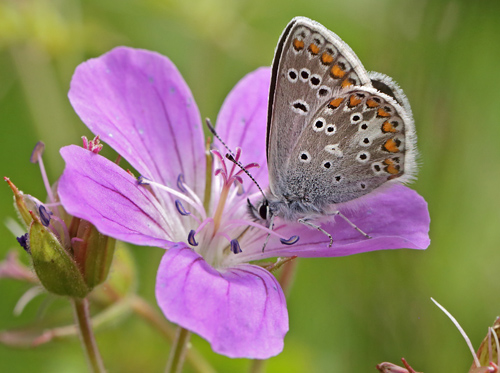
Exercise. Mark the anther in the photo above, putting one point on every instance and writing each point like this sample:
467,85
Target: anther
142,180
235,246
191,239
292,240
44,215
37,152
180,208
180,183
24,242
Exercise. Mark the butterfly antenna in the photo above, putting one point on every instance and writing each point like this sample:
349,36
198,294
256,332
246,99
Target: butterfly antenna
230,156
212,129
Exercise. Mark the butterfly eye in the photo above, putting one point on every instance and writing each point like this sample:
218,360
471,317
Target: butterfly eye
263,210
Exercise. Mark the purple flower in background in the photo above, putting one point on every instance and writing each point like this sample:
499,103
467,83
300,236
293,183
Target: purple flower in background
139,104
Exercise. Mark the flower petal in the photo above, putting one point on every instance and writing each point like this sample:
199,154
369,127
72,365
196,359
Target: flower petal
139,104
395,218
242,121
95,189
241,310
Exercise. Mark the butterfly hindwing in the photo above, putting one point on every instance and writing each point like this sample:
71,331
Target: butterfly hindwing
355,142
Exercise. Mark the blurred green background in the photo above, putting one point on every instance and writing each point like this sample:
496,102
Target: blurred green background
346,314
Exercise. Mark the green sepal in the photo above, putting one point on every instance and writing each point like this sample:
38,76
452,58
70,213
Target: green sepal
54,266
95,251
24,203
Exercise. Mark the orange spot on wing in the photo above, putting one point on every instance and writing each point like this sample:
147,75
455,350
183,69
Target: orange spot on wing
391,146
382,113
371,103
391,168
313,48
337,72
326,58
347,82
387,127
298,44
354,101
335,103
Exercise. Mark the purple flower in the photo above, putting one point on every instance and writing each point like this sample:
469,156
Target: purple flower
139,104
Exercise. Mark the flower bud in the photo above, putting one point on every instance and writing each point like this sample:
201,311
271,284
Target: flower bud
70,256
55,268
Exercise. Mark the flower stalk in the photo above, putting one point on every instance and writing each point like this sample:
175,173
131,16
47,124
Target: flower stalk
178,352
82,320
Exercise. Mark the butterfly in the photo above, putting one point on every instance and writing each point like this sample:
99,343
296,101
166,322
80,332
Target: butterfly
335,132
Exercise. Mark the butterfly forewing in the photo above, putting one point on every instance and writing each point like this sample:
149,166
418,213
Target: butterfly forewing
311,63
354,143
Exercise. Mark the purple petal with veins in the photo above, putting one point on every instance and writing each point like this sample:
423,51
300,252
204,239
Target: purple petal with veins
140,105
241,310
95,189
242,122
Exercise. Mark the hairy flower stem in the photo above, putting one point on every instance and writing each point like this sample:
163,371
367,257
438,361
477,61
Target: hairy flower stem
82,319
178,352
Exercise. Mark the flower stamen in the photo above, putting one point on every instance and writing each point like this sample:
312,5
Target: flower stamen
180,208
191,239
235,247
198,207
44,215
36,157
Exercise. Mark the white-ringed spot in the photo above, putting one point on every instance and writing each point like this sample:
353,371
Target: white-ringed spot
300,107
330,129
363,127
323,91
363,157
327,164
315,81
365,141
319,124
304,156
335,150
377,168
292,75
356,118
304,74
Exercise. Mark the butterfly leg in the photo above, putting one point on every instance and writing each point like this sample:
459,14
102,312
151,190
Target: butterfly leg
351,223
271,226
306,222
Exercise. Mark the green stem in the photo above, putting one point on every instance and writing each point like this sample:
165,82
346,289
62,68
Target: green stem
257,366
82,319
178,352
